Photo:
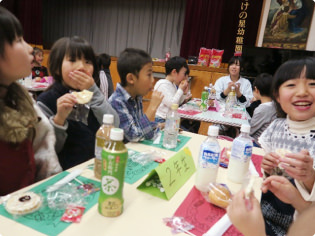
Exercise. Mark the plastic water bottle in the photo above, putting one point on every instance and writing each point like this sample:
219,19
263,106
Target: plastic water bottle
208,162
171,128
230,102
241,154
101,137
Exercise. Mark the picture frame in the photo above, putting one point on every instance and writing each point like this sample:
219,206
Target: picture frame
288,24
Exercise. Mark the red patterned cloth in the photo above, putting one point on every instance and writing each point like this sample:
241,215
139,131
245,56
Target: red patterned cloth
203,215
189,112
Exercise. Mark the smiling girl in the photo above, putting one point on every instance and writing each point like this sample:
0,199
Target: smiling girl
294,94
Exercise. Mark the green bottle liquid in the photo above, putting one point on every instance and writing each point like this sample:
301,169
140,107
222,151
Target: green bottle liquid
114,160
204,99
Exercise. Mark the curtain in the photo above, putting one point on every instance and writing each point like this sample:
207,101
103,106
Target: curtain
111,26
29,12
202,26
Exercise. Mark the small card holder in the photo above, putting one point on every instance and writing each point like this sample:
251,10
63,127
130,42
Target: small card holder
165,180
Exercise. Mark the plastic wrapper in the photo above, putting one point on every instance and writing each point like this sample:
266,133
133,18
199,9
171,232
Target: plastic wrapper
146,157
80,112
73,214
279,170
216,58
204,57
218,194
178,224
24,203
69,194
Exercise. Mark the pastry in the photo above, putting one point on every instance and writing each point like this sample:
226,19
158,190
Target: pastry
220,195
83,97
23,203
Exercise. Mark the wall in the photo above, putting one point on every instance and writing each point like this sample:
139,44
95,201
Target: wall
263,21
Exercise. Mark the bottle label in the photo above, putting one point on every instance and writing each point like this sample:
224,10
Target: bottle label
111,207
210,157
110,185
241,151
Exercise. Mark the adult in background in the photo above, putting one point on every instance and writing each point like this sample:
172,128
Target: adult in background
243,87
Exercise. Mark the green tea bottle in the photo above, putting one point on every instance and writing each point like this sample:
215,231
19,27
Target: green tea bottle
114,160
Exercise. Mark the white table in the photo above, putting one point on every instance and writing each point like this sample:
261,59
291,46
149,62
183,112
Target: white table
209,117
143,213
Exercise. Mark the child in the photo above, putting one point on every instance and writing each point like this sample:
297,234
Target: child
177,71
71,63
135,71
38,71
293,91
26,138
265,113
106,83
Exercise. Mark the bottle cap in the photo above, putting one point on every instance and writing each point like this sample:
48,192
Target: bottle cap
108,119
213,130
116,134
233,88
245,128
174,106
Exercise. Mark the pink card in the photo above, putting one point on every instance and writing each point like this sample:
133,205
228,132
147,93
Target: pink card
202,214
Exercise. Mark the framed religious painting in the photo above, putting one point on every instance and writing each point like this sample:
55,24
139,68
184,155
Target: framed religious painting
288,24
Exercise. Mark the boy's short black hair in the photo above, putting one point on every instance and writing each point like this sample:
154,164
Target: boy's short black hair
131,60
74,47
10,28
263,84
176,63
103,61
291,69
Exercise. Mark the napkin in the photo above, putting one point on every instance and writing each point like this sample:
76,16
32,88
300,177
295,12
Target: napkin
220,227
252,169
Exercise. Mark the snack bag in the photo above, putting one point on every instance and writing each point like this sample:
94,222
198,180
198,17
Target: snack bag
204,57
216,58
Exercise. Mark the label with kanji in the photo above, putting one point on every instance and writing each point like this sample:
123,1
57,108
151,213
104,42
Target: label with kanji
165,180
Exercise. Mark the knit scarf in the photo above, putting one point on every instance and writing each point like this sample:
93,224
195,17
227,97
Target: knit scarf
17,115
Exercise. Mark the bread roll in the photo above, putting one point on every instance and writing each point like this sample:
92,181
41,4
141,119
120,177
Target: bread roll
220,195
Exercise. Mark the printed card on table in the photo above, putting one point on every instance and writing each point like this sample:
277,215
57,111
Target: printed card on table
165,180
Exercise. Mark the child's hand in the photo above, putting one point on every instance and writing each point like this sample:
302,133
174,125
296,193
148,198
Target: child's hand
270,161
188,98
281,187
64,107
248,221
300,167
285,191
81,79
155,102
156,99
184,86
